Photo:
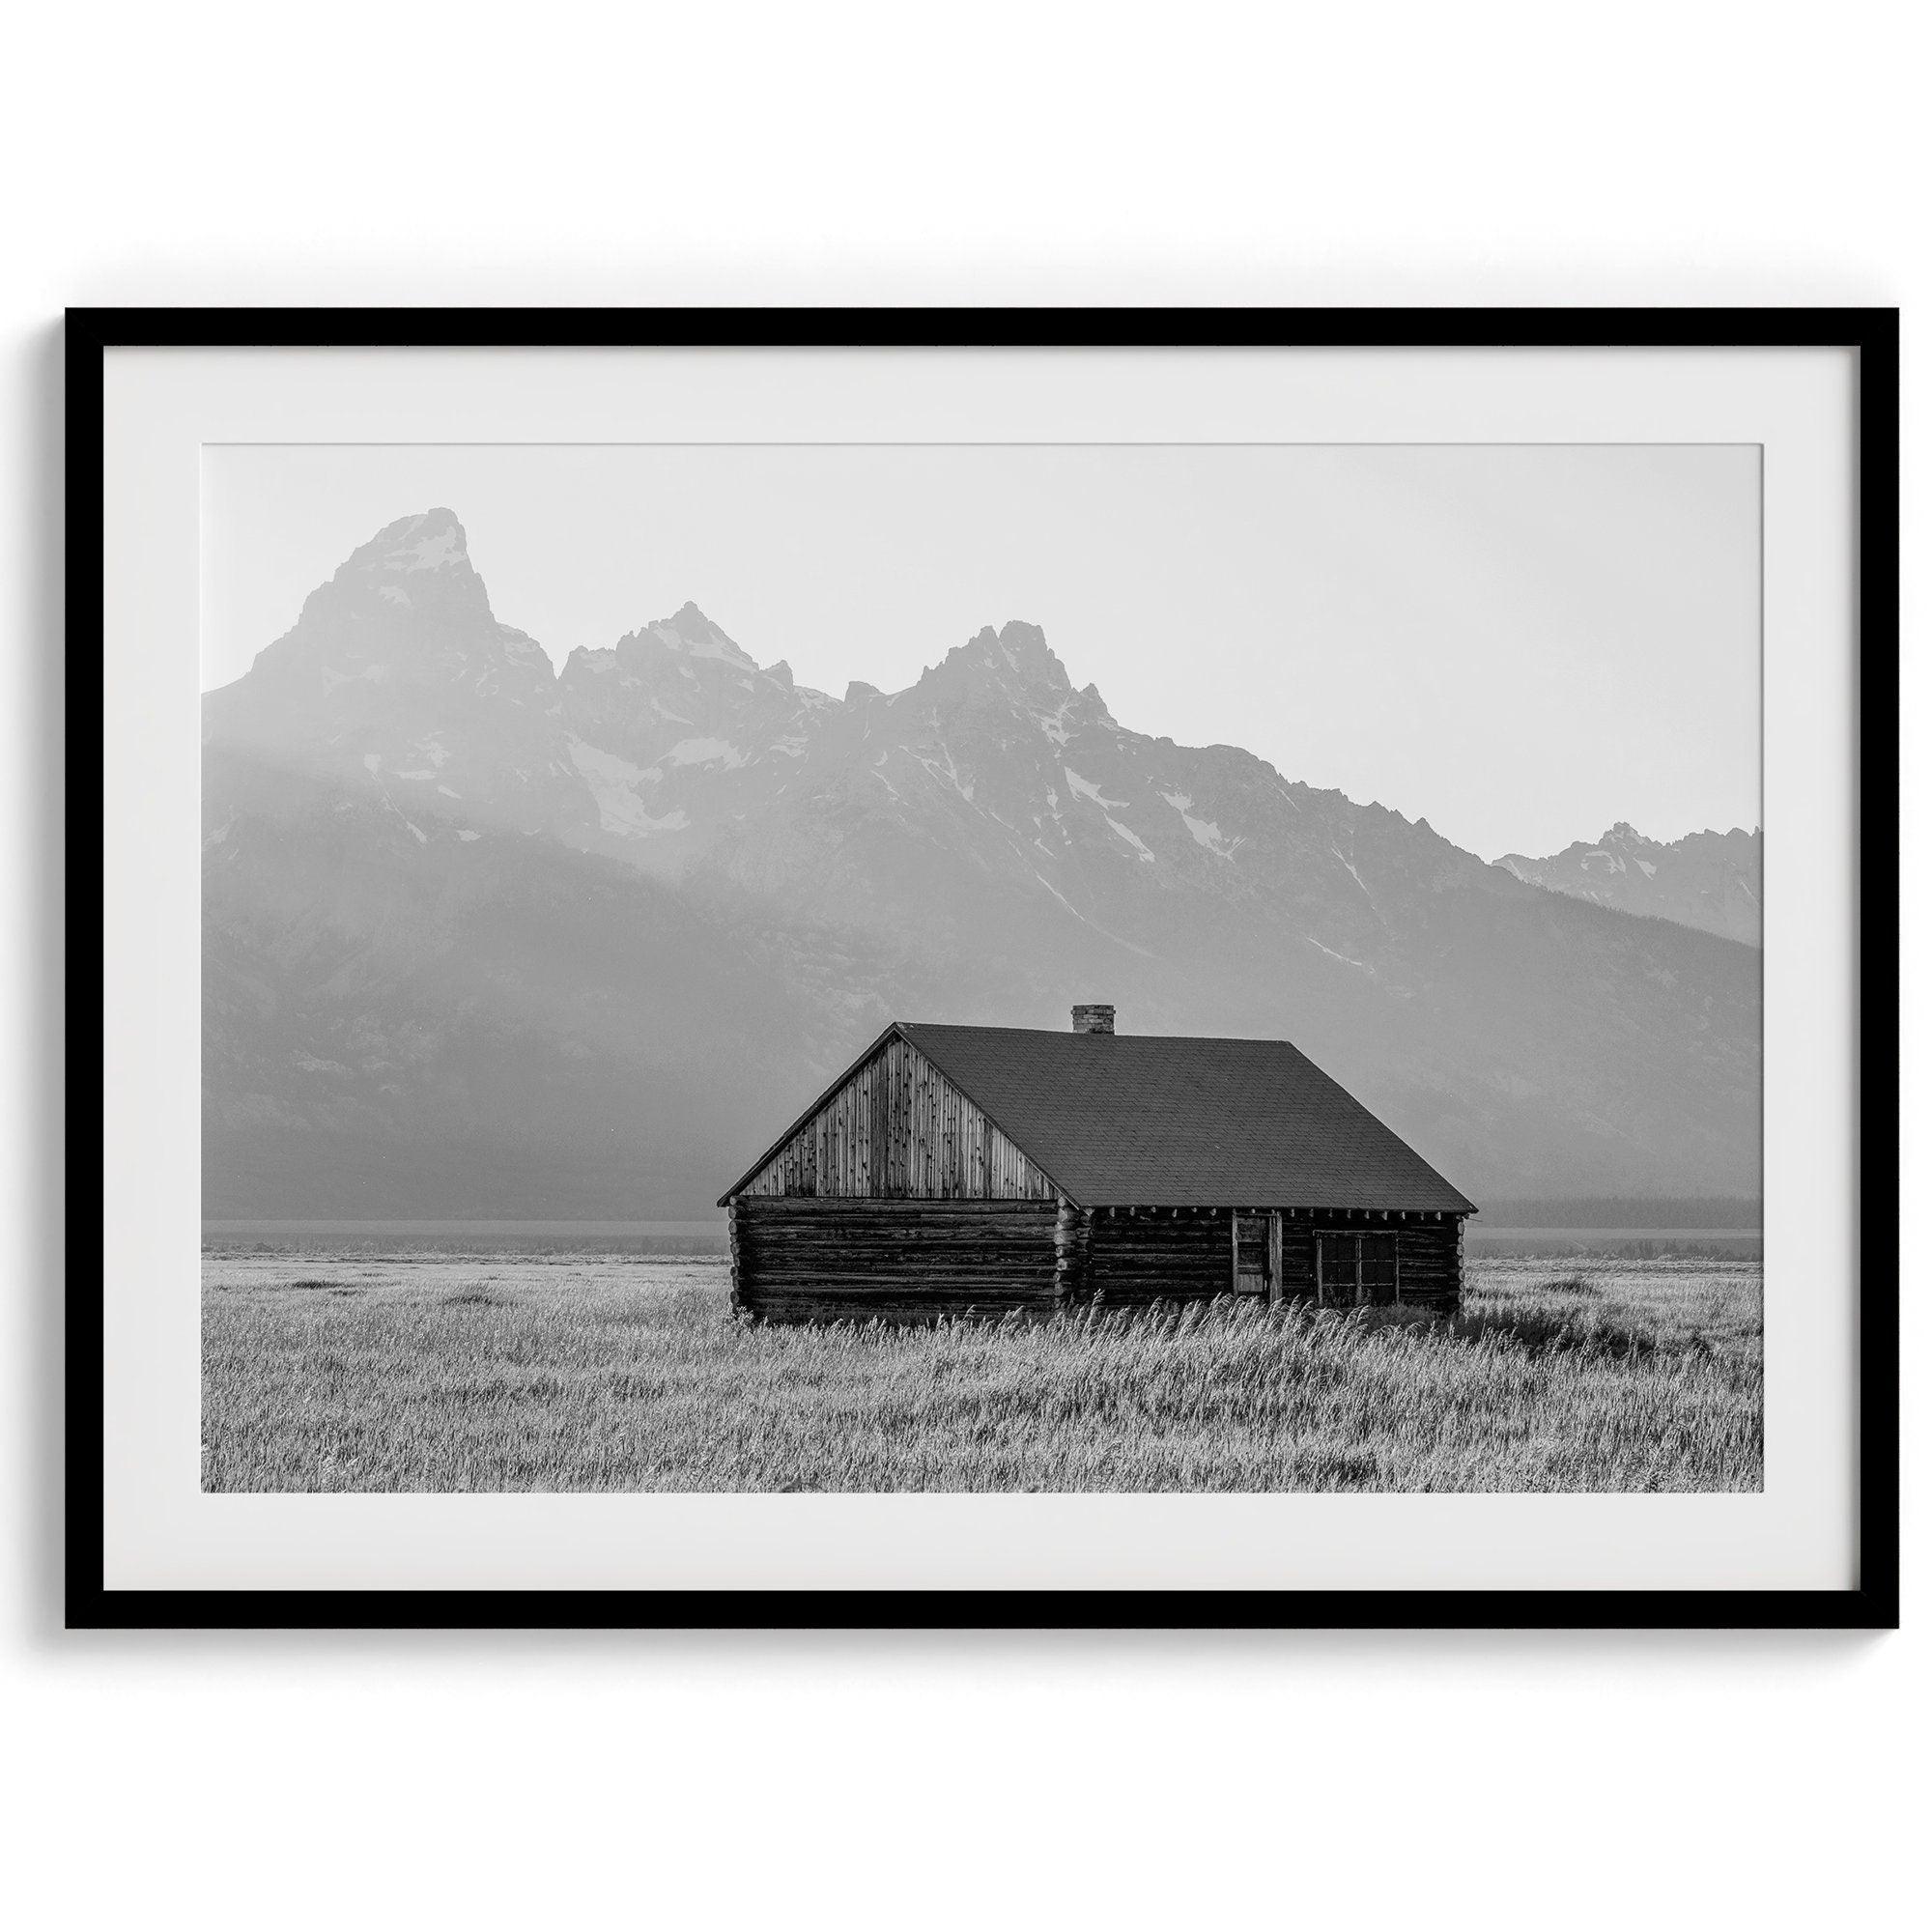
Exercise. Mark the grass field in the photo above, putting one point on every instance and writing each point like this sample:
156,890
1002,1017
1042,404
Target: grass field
422,1373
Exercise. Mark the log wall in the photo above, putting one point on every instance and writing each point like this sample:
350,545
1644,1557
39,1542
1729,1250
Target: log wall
1429,1258
1297,1257
1145,1256
899,1130
852,1259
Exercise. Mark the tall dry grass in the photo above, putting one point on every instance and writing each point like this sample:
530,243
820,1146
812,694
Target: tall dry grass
523,1375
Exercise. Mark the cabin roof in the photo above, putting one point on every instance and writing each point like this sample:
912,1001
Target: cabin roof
1146,1119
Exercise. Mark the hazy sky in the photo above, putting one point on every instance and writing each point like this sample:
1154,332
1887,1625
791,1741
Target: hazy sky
1521,644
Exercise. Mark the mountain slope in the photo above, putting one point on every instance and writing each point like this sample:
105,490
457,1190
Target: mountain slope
398,678
1012,825
420,1020
725,882
1710,880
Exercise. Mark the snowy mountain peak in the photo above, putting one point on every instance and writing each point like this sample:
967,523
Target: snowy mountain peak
1624,834
1096,705
690,634
419,563
1710,880
433,541
1025,651
1014,659
430,543
397,681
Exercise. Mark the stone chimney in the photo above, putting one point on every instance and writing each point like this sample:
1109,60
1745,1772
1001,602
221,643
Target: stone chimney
1093,1019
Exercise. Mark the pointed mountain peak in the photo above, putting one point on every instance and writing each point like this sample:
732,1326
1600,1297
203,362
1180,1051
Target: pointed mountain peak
433,541
1015,656
1623,833
1092,693
689,633
419,563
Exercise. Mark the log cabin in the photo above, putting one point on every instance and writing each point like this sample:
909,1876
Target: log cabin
956,1170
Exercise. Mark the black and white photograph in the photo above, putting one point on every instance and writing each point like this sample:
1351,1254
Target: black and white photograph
966,968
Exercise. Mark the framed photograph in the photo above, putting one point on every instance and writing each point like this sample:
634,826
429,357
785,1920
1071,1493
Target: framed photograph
956,968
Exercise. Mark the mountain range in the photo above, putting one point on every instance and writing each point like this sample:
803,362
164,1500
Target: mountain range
482,938
1711,880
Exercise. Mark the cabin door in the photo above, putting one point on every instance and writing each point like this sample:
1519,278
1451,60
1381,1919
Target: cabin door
1257,1255
1355,1270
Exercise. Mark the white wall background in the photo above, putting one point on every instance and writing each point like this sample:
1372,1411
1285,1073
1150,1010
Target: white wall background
599,154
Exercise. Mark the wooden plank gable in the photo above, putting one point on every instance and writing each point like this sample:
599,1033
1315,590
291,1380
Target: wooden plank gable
896,1129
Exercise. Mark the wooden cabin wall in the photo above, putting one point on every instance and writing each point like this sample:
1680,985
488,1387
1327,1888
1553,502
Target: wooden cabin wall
854,1260
1142,1256
1297,1256
1429,1257
899,1130
1148,1256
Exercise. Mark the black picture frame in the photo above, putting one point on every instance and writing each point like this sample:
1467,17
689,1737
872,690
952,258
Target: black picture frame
1871,332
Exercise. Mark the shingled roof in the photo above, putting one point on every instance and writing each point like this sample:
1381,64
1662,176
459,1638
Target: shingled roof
1151,1121
1145,1120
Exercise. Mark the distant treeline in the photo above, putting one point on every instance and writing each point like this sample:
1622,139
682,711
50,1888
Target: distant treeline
1626,1211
